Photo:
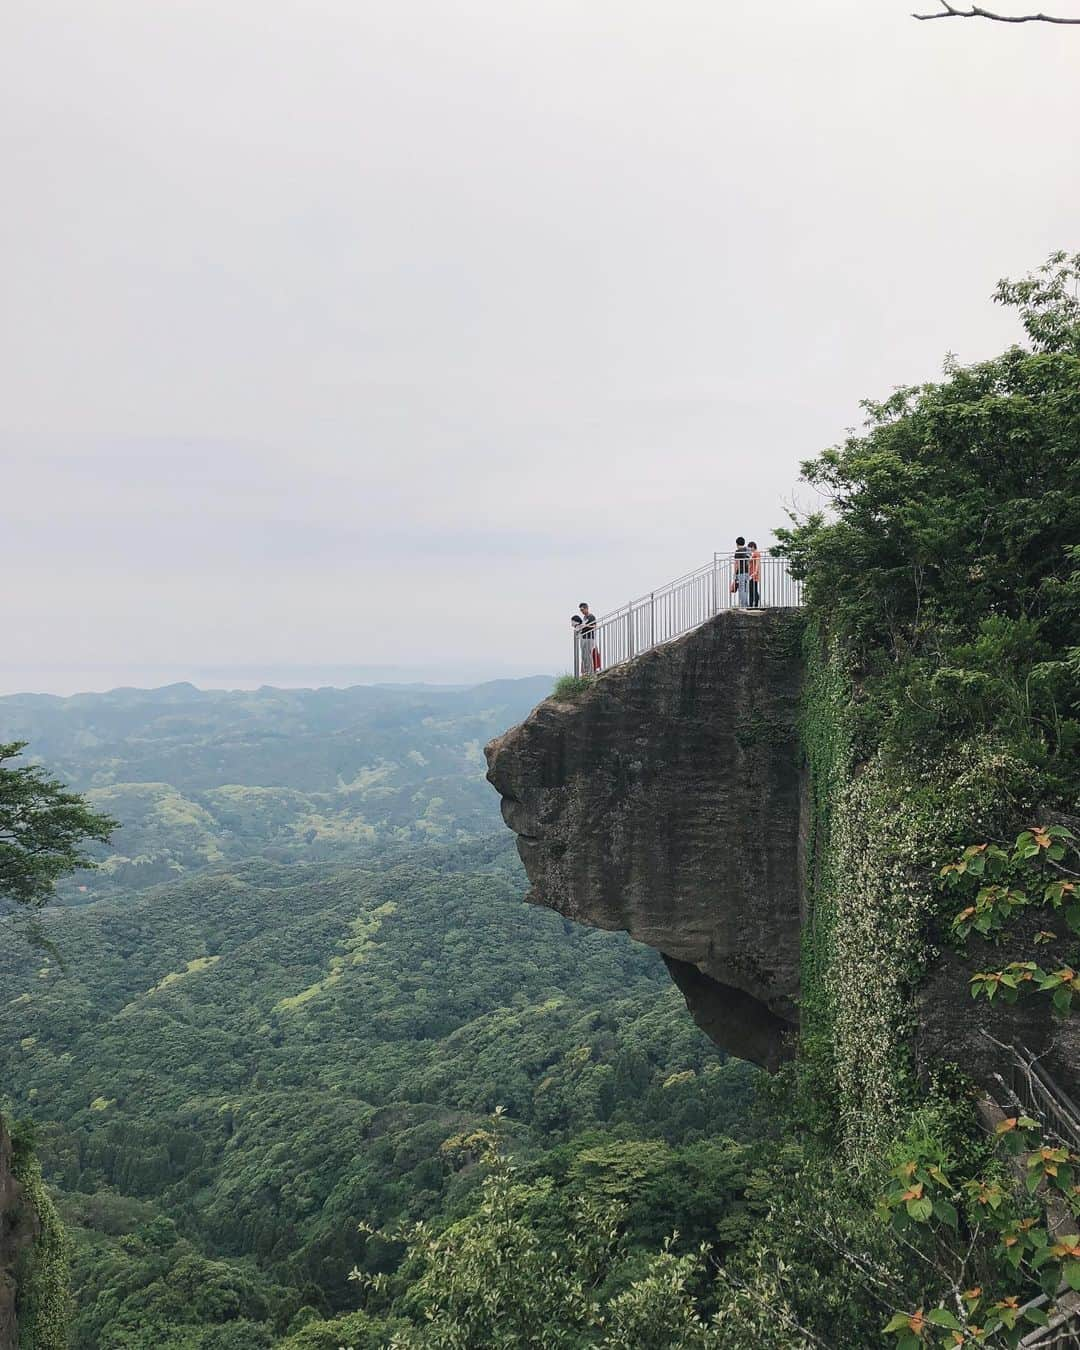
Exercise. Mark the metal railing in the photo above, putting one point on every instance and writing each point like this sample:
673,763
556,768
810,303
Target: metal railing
1030,1084
683,605
1027,1085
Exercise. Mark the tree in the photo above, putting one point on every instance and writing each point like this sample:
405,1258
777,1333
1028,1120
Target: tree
494,1281
43,829
947,560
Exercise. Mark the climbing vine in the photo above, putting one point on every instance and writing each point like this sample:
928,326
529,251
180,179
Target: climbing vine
877,832
826,734
44,1298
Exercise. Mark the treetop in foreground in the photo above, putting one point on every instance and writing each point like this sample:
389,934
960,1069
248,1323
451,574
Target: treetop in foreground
43,829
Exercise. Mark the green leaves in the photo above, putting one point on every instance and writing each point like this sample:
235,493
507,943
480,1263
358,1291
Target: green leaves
921,1209
1008,982
43,829
1063,987
946,566
1044,851
1016,1232
923,1192
499,1278
1047,301
1050,840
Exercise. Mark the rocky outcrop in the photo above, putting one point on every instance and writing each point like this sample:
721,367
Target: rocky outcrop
668,799
18,1228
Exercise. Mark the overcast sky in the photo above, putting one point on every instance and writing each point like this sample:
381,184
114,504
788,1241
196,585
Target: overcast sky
340,334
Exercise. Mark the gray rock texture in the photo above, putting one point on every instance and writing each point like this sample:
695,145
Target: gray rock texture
18,1228
951,1027
667,799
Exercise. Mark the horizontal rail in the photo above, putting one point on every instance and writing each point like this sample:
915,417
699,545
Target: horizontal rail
1034,1088
758,581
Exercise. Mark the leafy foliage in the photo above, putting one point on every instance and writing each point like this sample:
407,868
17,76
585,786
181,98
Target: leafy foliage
941,706
263,1125
999,1254
949,562
43,830
1019,1240
495,1279
571,687
41,1275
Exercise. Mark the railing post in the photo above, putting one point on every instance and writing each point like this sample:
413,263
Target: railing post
652,619
715,585
630,630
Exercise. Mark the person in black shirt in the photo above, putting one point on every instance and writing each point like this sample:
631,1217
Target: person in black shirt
741,565
590,657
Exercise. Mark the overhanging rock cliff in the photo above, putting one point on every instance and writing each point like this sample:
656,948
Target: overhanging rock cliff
668,800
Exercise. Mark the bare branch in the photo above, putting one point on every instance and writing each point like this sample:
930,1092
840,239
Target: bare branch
950,11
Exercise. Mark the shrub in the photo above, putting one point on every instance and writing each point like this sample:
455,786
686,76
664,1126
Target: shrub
570,687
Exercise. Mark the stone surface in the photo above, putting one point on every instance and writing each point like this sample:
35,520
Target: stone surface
18,1228
951,1027
667,799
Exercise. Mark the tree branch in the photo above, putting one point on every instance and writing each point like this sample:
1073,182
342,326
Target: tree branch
950,11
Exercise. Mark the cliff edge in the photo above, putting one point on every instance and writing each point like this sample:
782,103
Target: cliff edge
668,799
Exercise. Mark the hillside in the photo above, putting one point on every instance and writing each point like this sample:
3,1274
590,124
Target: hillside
200,777
227,1073
860,822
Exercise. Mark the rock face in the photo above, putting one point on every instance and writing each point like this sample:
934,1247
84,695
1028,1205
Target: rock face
18,1228
950,1027
668,799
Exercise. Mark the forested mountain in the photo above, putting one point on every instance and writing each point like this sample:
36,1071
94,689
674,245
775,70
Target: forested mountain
242,1081
269,1054
198,777
227,1073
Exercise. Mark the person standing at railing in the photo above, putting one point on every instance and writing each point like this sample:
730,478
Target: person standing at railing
740,562
575,628
755,575
590,656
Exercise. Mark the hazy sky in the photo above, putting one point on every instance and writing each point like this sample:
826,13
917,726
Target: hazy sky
343,333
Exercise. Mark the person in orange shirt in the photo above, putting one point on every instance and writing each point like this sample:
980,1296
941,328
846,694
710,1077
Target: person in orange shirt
755,575
590,655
